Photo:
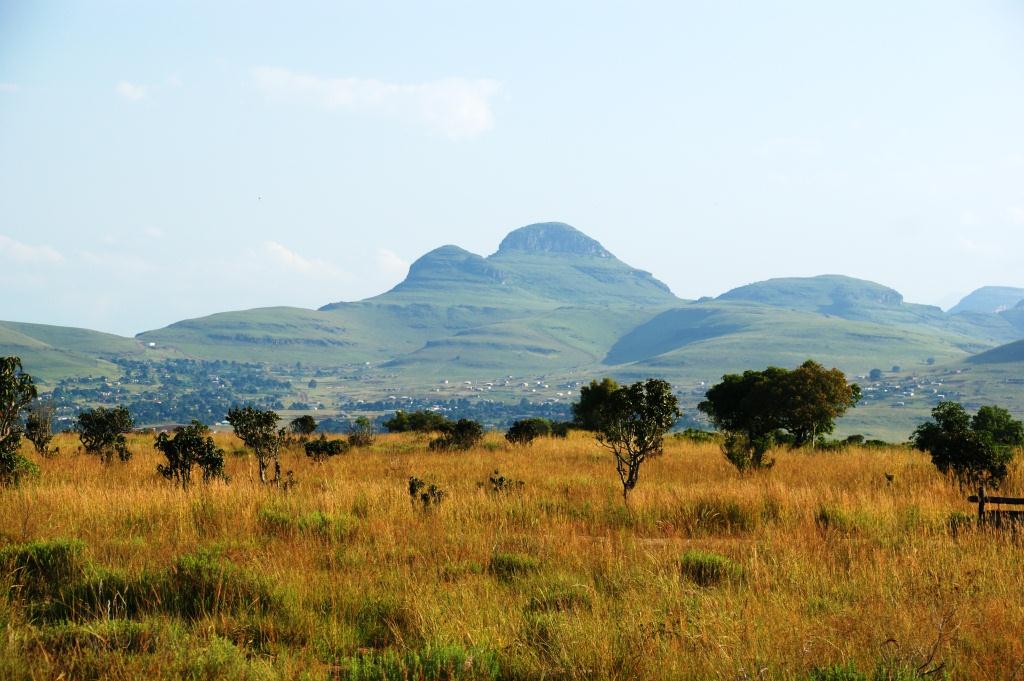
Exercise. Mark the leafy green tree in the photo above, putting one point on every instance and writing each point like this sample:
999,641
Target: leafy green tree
190,446
586,413
258,430
17,390
424,421
875,374
757,409
974,451
39,426
632,425
459,435
102,432
813,397
361,433
303,426
525,431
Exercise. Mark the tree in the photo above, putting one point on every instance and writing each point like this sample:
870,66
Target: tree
303,426
461,435
424,421
361,433
632,424
586,413
17,390
258,430
758,408
812,399
190,446
974,451
102,430
525,431
875,374
39,426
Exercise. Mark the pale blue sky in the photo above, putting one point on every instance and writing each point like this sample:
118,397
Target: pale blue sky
167,160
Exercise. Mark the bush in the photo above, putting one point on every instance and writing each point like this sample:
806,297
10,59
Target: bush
258,430
39,427
698,436
360,433
303,426
203,584
428,495
501,484
102,432
462,435
416,422
560,429
17,390
321,449
509,566
41,569
709,569
524,432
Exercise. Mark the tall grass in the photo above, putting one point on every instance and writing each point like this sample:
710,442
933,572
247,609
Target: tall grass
824,567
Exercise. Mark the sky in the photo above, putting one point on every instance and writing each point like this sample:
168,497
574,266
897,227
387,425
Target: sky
161,161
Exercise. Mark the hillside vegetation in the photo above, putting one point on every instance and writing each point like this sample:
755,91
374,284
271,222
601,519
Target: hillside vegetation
828,564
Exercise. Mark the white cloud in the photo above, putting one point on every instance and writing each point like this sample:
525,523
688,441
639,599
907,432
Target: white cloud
390,263
26,253
9,87
131,91
456,107
1016,214
290,260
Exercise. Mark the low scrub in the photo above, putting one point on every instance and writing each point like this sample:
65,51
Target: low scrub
709,569
317,524
430,663
507,567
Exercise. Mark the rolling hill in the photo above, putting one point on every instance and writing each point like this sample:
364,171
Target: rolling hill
552,301
990,299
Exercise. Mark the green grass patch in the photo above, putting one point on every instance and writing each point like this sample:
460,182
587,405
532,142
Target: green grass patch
709,569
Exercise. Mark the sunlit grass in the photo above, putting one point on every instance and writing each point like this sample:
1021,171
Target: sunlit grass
821,563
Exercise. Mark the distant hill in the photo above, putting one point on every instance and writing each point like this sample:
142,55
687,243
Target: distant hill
1004,354
553,302
990,300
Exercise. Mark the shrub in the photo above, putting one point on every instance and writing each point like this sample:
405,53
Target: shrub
190,446
360,433
561,429
40,569
524,432
509,566
427,494
17,390
832,518
461,435
321,449
303,426
383,621
709,569
203,584
501,484
698,436
102,430
424,421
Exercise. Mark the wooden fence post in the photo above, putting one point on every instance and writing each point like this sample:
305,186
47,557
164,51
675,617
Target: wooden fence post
981,504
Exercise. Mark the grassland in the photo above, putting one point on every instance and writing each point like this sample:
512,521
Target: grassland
815,569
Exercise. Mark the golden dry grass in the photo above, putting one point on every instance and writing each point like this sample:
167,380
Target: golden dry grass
840,566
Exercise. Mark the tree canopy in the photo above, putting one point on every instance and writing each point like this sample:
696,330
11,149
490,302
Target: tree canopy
17,390
973,451
586,413
102,432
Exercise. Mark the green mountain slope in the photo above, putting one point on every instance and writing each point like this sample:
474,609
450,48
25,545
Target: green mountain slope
989,299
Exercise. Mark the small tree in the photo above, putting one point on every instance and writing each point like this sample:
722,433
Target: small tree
586,413
524,432
974,451
461,435
303,426
39,427
258,430
190,446
17,390
632,425
361,433
875,374
102,432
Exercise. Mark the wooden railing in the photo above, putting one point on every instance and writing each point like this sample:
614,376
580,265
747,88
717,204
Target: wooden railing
997,517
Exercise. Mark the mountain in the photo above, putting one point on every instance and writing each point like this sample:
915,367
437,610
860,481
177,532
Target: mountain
1011,353
553,302
990,300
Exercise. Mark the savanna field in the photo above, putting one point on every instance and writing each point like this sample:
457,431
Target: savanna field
858,564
